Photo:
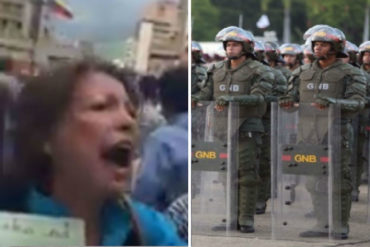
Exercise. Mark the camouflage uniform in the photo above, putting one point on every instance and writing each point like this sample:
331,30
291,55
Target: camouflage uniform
345,86
247,85
278,88
198,81
251,78
286,72
365,47
198,71
362,139
198,77
272,53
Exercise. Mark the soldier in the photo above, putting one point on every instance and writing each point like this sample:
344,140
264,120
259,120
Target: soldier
359,137
273,58
364,58
198,71
278,89
351,51
292,55
259,52
341,85
364,121
250,83
198,80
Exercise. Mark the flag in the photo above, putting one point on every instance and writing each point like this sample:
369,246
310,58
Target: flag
60,9
263,22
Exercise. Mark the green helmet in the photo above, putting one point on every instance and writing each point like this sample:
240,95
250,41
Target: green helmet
333,36
239,35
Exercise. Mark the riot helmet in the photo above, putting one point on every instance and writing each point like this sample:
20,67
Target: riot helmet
237,34
333,36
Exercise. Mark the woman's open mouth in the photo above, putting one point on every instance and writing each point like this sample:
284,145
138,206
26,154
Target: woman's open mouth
119,154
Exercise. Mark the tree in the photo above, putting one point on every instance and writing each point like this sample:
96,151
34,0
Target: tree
205,20
346,15
209,16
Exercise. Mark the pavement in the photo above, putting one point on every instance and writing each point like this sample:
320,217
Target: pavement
217,241
208,211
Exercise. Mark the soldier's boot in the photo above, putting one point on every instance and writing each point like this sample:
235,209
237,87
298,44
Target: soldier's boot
320,206
341,214
246,209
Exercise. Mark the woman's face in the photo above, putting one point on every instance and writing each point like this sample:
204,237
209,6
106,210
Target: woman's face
92,147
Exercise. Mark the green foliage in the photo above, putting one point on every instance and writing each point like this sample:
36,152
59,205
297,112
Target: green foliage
205,20
209,16
346,15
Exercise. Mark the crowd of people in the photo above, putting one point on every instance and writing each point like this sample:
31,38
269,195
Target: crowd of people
325,70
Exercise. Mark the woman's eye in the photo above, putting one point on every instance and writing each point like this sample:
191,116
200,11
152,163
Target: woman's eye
99,106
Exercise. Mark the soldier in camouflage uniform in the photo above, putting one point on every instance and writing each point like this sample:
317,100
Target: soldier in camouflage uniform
243,80
278,89
274,59
198,81
330,81
351,51
364,121
292,55
359,137
198,70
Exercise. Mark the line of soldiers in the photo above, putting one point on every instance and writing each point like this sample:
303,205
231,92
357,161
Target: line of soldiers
323,71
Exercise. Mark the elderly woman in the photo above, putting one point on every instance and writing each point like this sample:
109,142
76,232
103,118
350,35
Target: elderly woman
76,136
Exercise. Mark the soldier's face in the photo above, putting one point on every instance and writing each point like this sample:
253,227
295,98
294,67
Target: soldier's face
322,49
366,58
234,49
306,58
290,60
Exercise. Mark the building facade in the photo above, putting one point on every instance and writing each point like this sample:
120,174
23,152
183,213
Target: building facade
161,36
26,43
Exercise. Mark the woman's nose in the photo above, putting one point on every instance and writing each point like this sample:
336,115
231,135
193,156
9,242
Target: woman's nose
125,118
